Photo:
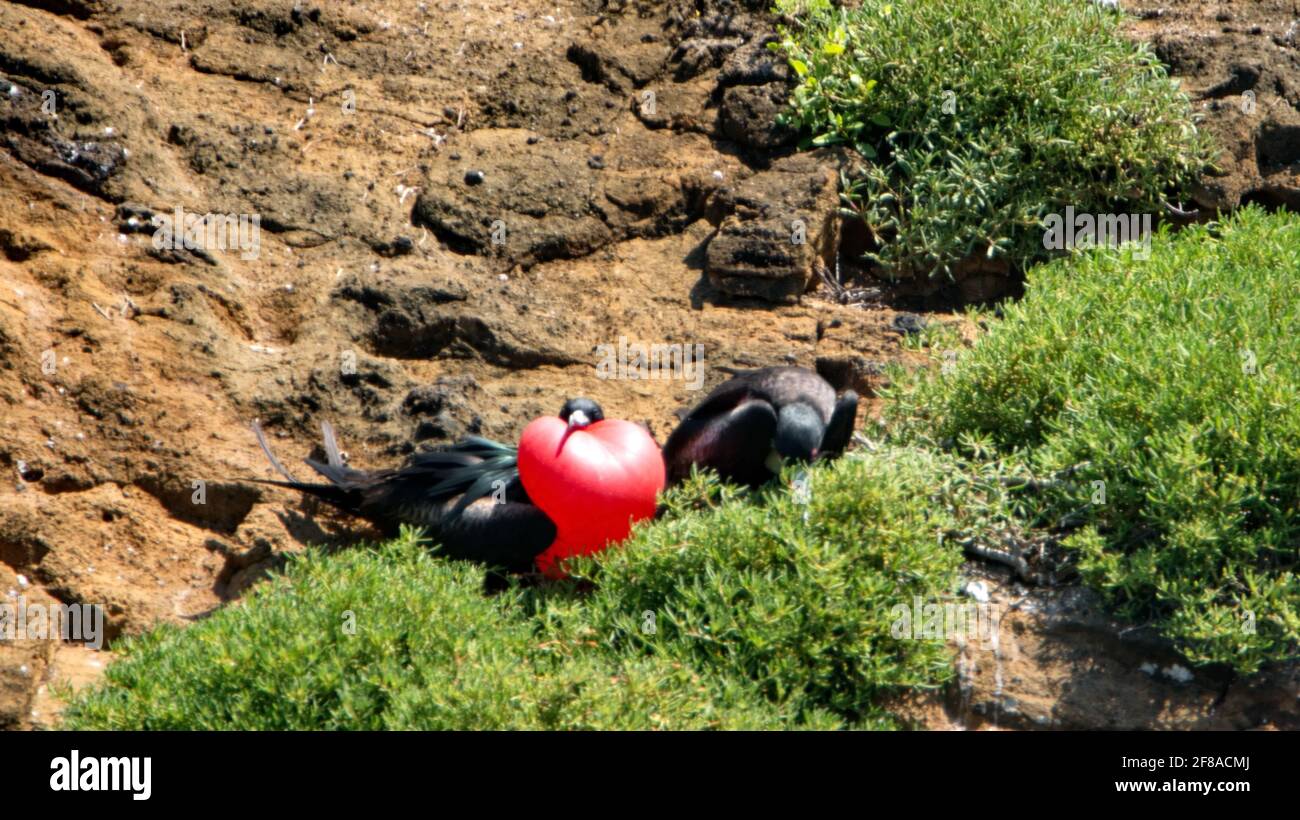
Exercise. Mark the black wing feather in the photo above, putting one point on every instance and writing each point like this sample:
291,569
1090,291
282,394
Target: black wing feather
445,490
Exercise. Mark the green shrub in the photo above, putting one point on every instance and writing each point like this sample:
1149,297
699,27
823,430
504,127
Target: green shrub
428,651
984,116
1173,382
767,613
795,596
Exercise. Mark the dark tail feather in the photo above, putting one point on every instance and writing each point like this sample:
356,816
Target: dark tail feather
332,453
336,495
334,469
270,456
341,475
325,492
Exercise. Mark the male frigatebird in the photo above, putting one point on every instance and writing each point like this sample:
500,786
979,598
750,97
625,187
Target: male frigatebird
751,423
468,496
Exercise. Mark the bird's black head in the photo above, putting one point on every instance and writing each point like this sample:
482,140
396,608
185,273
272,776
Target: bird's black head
581,412
799,431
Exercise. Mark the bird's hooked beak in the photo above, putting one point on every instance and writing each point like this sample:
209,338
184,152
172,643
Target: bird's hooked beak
577,421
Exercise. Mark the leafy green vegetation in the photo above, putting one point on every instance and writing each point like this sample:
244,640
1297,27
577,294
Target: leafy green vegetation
733,611
1168,387
393,638
982,117
795,597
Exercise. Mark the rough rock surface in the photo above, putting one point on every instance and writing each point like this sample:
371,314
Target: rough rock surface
1240,62
1056,661
23,661
781,226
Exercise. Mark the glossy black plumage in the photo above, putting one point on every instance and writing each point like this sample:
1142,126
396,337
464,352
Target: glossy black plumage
468,496
757,417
